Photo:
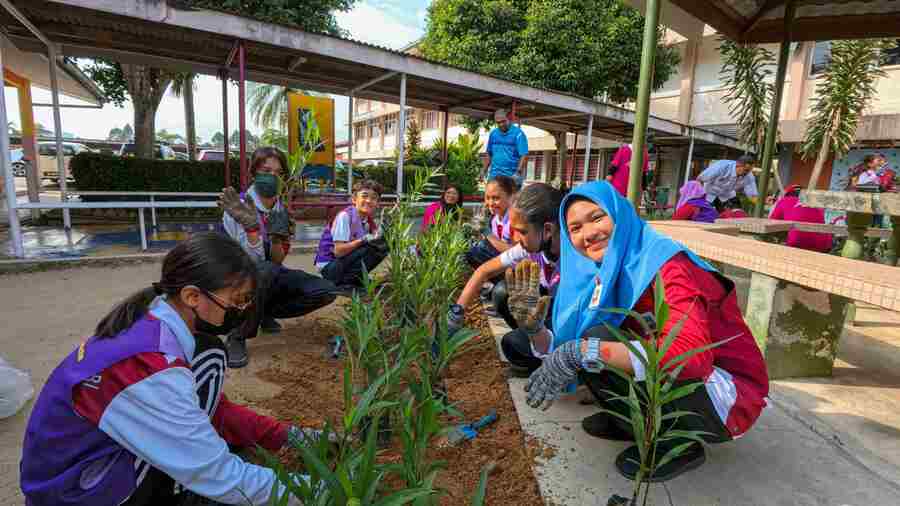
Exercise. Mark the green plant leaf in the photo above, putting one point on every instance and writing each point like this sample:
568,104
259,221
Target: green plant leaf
481,492
673,453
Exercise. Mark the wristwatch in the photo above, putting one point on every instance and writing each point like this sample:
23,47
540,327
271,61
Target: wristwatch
591,358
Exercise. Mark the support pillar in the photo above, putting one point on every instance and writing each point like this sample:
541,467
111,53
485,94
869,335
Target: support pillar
690,160
642,105
446,125
401,148
890,256
224,76
29,143
351,139
587,147
9,181
772,128
857,224
796,328
242,112
561,151
57,120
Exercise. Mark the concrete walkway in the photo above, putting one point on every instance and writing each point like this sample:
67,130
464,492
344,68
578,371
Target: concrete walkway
823,442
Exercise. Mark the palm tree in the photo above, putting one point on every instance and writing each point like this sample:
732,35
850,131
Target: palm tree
844,91
269,105
183,87
218,140
11,128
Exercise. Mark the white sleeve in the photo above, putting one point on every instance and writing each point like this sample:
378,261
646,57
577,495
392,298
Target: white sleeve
236,231
340,228
159,420
513,256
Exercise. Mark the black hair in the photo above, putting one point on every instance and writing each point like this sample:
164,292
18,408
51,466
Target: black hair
264,153
368,184
869,159
452,207
208,260
506,183
539,203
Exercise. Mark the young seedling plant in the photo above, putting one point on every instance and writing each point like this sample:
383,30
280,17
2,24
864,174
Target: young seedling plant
651,417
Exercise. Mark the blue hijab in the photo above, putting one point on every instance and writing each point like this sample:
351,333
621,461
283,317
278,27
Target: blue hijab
633,257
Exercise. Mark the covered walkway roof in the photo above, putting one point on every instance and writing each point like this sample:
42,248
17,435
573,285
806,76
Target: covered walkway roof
156,33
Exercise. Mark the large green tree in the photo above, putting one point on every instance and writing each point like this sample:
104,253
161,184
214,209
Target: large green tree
145,86
589,48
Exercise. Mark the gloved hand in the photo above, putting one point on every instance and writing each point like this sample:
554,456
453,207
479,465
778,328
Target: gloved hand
242,212
559,369
456,319
279,226
303,434
528,307
481,220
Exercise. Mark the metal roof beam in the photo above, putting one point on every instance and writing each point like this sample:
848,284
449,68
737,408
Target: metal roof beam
370,82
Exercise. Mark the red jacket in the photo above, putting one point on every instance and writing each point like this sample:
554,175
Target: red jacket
713,315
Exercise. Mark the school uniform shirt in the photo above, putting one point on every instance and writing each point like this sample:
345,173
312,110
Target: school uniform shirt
720,180
342,230
500,228
734,373
549,269
261,251
505,150
170,412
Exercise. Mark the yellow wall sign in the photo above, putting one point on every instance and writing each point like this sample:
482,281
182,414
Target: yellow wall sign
321,109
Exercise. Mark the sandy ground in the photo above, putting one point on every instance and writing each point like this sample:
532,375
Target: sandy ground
46,314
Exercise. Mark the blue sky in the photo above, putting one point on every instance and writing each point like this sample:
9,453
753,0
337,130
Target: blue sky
390,23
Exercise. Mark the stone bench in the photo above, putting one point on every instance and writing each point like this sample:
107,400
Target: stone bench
796,301
720,228
840,230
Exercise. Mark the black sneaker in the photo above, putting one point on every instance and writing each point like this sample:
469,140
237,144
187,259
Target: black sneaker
518,371
603,426
270,325
692,458
236,350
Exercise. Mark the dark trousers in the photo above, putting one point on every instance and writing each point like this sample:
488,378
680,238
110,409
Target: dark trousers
157,489
285,293
348,270
606,385
481,253
500,298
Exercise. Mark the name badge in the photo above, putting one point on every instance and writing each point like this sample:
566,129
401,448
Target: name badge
598,290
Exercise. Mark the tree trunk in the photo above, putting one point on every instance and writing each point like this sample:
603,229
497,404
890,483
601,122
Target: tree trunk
820,161
146,85
189,117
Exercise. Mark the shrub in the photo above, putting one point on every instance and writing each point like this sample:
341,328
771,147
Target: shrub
99,172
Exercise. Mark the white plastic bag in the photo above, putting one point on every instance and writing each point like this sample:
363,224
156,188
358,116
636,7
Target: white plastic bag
15,389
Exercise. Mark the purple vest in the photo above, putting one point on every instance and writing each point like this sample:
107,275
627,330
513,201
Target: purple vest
707,213
325,253
66,459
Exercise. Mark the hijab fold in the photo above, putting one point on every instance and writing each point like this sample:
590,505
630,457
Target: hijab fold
634,256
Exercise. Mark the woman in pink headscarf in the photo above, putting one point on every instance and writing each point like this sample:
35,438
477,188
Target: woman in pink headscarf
619,168
789,208
692,204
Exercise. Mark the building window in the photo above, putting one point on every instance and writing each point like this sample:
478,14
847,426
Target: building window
821,57
374,129
390,125
431,120
359,132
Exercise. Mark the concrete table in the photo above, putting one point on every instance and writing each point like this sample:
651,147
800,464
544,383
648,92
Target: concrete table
719,228
860,208
762,229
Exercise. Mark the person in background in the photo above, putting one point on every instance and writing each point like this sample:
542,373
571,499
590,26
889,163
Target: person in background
450,204
533,219
692,204
723,178
498,195
137,416
260,222
620,168
353,241
789,208
506,150
611,259
733,209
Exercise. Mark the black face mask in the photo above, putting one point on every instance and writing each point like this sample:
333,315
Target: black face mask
266,184
233,319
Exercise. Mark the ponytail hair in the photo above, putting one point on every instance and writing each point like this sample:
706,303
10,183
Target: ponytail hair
208,260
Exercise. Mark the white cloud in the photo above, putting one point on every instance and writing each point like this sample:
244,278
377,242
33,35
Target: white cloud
370,24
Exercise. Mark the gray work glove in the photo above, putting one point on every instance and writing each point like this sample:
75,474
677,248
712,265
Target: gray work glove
481,220
456,319
279,226
242,212
303,434
528,307
559,369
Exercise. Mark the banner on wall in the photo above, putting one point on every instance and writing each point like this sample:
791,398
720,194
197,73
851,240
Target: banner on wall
840,174
304,112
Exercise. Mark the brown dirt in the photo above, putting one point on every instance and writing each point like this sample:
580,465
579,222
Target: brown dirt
476,382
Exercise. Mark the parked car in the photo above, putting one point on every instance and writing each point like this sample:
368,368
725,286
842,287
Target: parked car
212,155
19,162
182,156
162,152
47,166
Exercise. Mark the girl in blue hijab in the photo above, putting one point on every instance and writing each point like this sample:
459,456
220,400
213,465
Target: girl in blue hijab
610,258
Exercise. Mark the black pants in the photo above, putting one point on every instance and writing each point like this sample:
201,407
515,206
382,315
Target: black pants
500,298
348,270
157,488
285,293
605,386
481,253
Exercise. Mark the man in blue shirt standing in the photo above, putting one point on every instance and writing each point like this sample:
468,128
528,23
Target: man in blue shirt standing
506,149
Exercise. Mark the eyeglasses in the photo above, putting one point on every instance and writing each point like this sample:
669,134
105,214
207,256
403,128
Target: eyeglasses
225,305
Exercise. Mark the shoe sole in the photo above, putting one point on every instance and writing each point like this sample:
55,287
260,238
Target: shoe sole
690,466
238,365
616,435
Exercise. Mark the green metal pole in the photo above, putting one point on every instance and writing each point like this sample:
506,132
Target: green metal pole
642,107
772,129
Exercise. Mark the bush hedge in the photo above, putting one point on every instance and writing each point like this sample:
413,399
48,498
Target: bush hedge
99,172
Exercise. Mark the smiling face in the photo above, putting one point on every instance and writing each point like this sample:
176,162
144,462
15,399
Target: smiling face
590,228
496,199
366,201
451,196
